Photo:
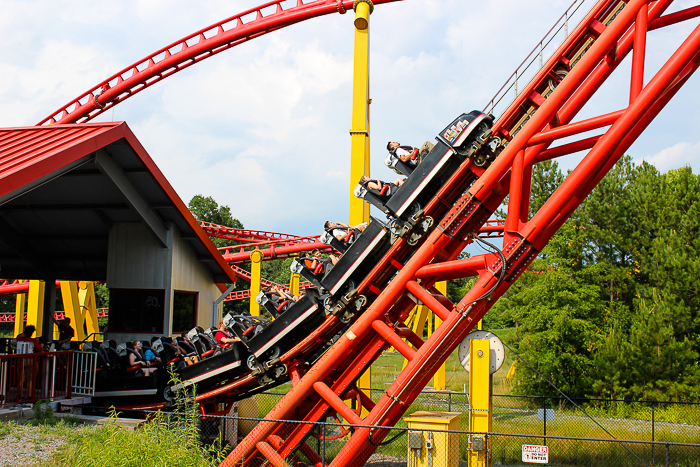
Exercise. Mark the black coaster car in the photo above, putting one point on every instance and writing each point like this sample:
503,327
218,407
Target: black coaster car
357,260
437,167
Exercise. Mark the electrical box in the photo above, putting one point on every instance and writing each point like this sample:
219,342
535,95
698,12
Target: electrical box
478,443
415,440
441,447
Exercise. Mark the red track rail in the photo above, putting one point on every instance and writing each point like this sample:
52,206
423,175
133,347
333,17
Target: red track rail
192,49
542,114
10,317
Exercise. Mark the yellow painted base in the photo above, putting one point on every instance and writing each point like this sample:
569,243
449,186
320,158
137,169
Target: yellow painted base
445,450
480,383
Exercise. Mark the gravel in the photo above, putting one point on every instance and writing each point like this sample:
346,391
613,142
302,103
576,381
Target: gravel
24,445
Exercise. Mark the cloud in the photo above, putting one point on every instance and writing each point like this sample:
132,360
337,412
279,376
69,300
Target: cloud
263,127
676,156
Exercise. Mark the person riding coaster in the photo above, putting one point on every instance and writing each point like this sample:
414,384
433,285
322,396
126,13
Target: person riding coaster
275,300
463,139
349,270
340,236
403,159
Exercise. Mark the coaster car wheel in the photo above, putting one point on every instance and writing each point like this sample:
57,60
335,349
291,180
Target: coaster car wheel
252,362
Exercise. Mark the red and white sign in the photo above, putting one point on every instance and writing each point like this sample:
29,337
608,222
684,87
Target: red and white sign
535,454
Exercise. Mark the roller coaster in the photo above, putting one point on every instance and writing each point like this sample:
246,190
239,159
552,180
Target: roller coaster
353,311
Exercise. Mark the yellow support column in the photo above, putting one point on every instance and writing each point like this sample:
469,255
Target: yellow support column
439,380
256,257
35,305
71,306
480,399
88,307
294,284
20,309
359,133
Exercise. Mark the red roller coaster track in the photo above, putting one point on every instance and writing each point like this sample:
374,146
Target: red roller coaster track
192,49
542,114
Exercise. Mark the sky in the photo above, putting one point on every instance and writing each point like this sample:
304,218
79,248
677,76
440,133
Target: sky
263,127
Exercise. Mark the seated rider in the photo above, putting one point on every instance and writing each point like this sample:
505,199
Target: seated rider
409,154
149,355
278,296
379,187
318,259
136,358
341,231
223,336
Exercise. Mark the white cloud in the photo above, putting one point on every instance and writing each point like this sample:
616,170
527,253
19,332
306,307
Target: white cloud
264,126
679,155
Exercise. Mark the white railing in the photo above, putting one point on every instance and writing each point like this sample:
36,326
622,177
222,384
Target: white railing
525,71
84,370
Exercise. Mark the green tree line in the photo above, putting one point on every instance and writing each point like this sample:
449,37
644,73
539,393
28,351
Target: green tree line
613,309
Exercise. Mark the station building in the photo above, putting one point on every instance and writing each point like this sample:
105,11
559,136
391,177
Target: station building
87,203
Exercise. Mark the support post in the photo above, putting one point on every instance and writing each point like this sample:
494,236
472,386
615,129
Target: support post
294,284
256,258
88,306
439,380
480,402
359,133
35,305
640,39
20,309
71,306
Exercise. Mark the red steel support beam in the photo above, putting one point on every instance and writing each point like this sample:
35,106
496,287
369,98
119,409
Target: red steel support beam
640,40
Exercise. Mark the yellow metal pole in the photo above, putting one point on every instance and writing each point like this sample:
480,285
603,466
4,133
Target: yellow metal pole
71,306
256,257
35,305
480,399
359,133
294,284
439,380
88,307
20,308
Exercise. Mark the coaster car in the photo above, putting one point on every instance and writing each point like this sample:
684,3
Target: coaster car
265,341
357,260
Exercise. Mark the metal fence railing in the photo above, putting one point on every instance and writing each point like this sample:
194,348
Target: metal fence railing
27,378
617,433
420,447
535,59
556,416
83,375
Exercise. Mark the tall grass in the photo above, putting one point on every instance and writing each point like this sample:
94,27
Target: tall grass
171,439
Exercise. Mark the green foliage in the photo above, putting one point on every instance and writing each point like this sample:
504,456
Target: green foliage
165,439
613,312
43,414
207,209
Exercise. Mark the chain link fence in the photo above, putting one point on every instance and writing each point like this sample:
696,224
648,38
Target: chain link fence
617,433
413,447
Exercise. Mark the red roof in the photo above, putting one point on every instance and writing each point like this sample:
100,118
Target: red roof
32,159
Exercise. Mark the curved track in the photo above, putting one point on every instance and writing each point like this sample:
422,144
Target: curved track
189,50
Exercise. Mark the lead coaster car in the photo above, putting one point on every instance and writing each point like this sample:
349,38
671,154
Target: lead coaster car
459,140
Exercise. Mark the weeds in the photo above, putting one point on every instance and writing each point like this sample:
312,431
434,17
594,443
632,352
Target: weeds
171,439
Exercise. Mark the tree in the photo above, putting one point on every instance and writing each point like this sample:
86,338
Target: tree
207,209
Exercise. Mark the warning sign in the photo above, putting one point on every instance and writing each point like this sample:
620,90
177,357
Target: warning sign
535,454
